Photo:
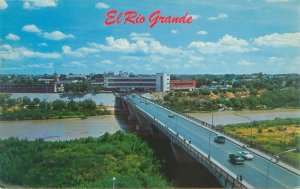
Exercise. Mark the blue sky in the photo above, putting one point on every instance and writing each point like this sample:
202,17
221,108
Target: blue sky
69,36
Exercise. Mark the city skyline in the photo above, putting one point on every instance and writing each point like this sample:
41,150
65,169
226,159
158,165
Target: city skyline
39,37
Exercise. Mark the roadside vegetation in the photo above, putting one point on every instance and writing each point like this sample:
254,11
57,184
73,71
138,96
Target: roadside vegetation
84,163
205,100
27,109
273,136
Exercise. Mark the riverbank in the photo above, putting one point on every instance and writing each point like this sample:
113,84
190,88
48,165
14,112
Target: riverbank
26,109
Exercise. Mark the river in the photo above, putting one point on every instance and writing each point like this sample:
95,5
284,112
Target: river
230,117
66,129
62,129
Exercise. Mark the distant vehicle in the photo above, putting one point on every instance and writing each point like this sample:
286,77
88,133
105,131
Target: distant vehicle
171,115
141,101
220,139
146,102
236,159
246,155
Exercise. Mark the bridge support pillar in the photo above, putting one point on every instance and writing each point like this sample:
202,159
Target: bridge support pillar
131,116
143,127
180,155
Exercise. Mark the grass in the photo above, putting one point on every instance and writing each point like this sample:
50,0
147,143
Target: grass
275,135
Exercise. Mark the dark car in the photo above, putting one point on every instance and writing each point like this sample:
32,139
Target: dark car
220,139
236,159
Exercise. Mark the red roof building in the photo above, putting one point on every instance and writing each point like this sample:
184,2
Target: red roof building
182,84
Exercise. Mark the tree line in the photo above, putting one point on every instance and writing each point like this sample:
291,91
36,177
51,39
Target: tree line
25,108
193,101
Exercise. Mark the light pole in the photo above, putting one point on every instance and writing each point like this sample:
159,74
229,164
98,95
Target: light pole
251,122
212,123
275,162
113,182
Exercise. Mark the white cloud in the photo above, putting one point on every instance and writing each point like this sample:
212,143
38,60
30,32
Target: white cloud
174,31
278,61
3,4
226,44
31,28
12,37
274,59
130,58
31,54
102,6
45,66
43,45
156,58
279,40
221,16
196,58
244,63
80,52
75,64
277,1
202,32
107,62
57,35
9,53
141,36
34,4
195,16
296,61
141,43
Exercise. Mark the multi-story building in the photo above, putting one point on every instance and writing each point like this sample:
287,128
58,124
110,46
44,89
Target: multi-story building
123,82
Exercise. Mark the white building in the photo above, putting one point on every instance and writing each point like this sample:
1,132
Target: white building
123,82
162,82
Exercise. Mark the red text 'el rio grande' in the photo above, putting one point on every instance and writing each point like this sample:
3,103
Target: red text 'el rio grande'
132,17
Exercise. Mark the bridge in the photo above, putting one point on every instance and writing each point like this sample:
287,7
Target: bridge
194,137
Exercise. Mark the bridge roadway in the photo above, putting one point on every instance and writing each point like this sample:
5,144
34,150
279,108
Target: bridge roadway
254,172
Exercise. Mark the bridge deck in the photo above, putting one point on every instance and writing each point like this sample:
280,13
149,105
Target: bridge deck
254,172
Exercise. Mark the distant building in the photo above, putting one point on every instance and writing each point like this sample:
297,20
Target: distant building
162,82
78,77
124,82
27,88
183,85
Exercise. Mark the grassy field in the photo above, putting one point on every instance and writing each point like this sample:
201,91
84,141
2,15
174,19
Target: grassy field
275,135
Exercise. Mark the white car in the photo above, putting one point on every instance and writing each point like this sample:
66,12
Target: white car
246,155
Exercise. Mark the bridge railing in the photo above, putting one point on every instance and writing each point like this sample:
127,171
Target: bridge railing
224,177
240,139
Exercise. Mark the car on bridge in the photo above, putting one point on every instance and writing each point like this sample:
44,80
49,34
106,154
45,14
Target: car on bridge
236,159
171,115
246,155
220,139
